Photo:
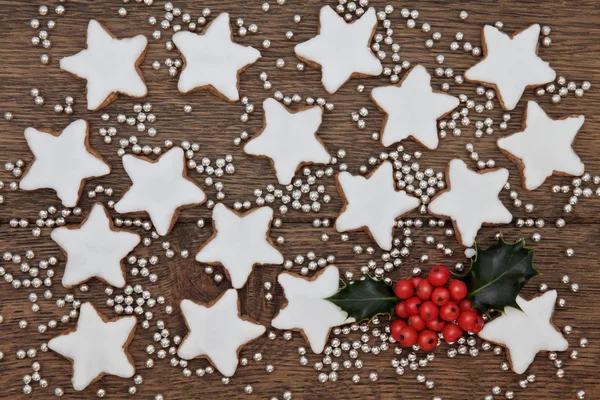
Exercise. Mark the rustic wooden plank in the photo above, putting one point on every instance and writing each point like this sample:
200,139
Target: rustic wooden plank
214,124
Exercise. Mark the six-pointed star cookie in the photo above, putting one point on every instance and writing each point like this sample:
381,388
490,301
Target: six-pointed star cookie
543,147
341,49
511,64
289,139
160,188
95,249
63,161
307,309
213,60
412,108
239,242
525,333
110,66
217,331
472,200
97,347
373,203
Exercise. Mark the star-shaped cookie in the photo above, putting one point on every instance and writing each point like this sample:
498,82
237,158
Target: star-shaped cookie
161,188
289,139
213,60
472,200
97,347
341,49
544,147
511,64
63,161
239,242
307,310
109,65
373,203
217,331
412,108
95,249
525,333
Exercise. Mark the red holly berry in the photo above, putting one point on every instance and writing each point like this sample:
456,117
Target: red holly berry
436,325
415,281
395,328
440,296
479,323
451,333
458,290
449,312
401,310
408,336
417,322
438,276
427,340
429,311
470,321
424,290
412,305
466,305
404,289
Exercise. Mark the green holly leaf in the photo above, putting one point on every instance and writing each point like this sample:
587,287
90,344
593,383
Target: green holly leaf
498,274
365,299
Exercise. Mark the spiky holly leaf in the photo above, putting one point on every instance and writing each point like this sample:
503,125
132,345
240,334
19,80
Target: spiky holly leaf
498,274
365,299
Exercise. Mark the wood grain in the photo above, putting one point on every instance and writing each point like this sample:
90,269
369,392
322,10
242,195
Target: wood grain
213,124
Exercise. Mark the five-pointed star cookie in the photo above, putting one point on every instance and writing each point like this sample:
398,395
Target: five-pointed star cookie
341,49
289,139
511,64
543,147
95,249
110,66
525,333
472,200
97,347
373,203
160,188
213,60
307,309
63,161
412,108
217,331
239,242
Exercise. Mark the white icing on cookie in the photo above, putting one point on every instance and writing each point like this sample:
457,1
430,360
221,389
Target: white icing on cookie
159,188
373,203
342,49
525,333
472,200
289,139
412,109
95,249
62,162
511,64
96,347
544,146
217,331
307,308
109,65
213,59
240,242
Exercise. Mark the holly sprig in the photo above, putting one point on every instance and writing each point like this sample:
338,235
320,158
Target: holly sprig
366,298
498,273
495,278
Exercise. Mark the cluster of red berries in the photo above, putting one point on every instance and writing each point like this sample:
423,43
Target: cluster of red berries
432,305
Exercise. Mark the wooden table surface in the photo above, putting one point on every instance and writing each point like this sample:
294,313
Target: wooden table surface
214,124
